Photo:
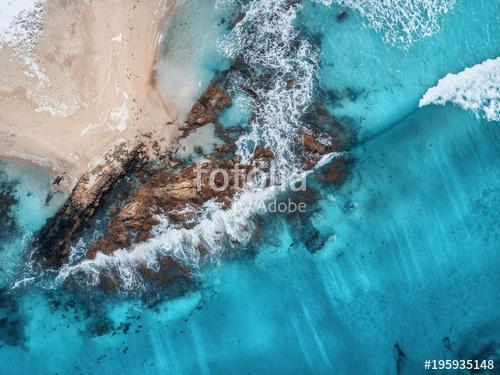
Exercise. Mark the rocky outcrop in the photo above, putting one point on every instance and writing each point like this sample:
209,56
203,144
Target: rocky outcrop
263,153
53,240
313,145
132,224
176,192
171,189
208,108
168,191
176,195
179,194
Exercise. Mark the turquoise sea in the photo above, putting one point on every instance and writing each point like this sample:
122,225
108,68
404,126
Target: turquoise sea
398,265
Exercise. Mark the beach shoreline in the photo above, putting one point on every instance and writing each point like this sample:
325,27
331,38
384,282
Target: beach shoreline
92,87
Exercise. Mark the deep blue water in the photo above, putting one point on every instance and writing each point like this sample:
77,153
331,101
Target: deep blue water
399,265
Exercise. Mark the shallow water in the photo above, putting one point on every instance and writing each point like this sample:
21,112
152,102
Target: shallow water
189,58
27,201
398,265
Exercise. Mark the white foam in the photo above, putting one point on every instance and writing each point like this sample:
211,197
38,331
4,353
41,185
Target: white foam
324,2
218,231
118,38
215,232
476,89
401,22
119,117
11,12
21,22
267,40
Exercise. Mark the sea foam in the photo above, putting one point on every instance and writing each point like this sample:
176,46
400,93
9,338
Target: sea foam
21,23
401,22
268,42
476,89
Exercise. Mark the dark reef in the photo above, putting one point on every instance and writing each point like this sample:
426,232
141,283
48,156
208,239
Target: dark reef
11,321
8,202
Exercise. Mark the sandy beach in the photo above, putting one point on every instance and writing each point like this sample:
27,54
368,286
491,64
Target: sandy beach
87,86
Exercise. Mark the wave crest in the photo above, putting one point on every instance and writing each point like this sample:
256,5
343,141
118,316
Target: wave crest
476,89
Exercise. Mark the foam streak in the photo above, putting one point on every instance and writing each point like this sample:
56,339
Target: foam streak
475,89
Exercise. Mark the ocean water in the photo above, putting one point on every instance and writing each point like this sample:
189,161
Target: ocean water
398,265
375,84
27,200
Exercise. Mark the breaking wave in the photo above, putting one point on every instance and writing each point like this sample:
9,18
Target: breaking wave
475,89
219,231
215,233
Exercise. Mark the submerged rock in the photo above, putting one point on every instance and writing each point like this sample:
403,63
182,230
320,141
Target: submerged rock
263,153
11,321
8,201
133,223
336,172
342,16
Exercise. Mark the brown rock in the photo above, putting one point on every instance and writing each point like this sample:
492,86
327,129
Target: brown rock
263,153
208,107
133,224
224,150
53,240
174,163
336,172
315,144
178,195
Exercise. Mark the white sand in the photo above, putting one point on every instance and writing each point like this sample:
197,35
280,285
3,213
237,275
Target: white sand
85,84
